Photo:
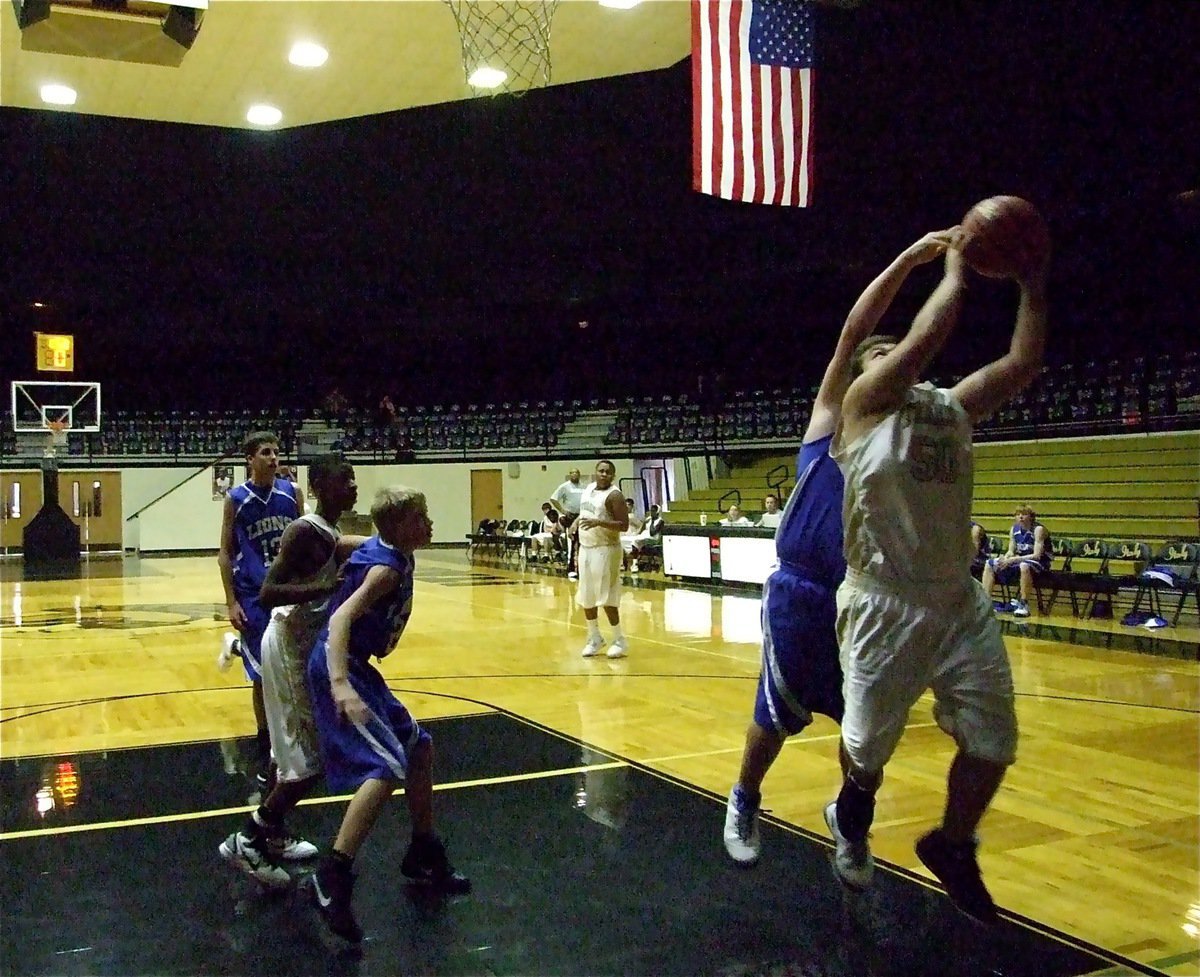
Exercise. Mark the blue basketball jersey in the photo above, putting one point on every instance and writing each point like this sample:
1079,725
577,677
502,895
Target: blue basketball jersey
1024,542
378,630
810,535
260,517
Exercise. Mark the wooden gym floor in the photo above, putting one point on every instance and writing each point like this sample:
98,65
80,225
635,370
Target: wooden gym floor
584,797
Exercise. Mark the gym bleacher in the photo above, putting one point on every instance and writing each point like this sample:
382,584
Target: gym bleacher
1142,394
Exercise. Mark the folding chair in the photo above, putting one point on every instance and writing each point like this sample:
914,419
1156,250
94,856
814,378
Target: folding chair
1090,583
1061,579
1175,570
1109,584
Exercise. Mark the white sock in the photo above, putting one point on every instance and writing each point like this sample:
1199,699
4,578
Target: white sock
593,627
618,634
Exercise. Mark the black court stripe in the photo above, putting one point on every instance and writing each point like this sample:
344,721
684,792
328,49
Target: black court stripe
1024,921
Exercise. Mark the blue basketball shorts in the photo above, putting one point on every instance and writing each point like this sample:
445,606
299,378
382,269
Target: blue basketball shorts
1012,573
353,753
250,637
801,673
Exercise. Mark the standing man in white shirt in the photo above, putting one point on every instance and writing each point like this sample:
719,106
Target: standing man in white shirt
566,500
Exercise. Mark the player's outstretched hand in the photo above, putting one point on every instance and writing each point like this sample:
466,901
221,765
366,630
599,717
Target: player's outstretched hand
931,245
1033,279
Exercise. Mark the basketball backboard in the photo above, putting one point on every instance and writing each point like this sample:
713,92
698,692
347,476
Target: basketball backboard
38,403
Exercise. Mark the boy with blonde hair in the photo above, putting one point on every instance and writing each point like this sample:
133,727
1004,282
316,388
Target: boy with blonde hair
370,743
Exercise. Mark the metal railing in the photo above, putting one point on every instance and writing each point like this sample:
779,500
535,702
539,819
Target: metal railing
774,486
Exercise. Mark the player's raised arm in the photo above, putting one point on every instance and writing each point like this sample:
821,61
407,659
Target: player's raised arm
861,321
882,388
988,389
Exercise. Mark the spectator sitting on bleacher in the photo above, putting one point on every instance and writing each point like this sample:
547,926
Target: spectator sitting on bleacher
980,549
649,541
1028,553
735,519
548,539
772,515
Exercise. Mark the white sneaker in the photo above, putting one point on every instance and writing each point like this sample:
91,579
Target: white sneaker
619,648
572,575
634,567
290,848
742,839
852,861
592,648
1021,609
229,651
240,852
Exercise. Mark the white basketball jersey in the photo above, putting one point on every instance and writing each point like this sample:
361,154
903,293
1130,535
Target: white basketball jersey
594,505
304,621
909,482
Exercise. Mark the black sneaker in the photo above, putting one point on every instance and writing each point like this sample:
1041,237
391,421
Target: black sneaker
425,863
331,889
957,868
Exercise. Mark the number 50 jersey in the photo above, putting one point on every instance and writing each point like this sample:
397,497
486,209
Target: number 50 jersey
909,482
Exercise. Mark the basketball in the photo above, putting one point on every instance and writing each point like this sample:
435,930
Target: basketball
1004,236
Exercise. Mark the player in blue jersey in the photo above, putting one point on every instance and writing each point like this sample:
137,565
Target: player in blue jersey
370,743
256,514
1028,553
800,672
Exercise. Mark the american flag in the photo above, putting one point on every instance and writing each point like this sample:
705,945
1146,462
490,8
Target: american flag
752,100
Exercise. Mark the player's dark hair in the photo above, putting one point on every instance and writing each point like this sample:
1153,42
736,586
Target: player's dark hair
255,440
324,467
863,348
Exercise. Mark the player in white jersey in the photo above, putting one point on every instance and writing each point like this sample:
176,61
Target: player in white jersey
296,592
910,616
603,516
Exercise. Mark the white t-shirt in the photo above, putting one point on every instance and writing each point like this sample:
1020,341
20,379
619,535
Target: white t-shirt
569,496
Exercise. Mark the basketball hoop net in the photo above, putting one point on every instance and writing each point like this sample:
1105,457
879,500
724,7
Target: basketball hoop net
56,437
505,43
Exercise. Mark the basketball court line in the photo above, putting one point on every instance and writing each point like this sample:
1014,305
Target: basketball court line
244,809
